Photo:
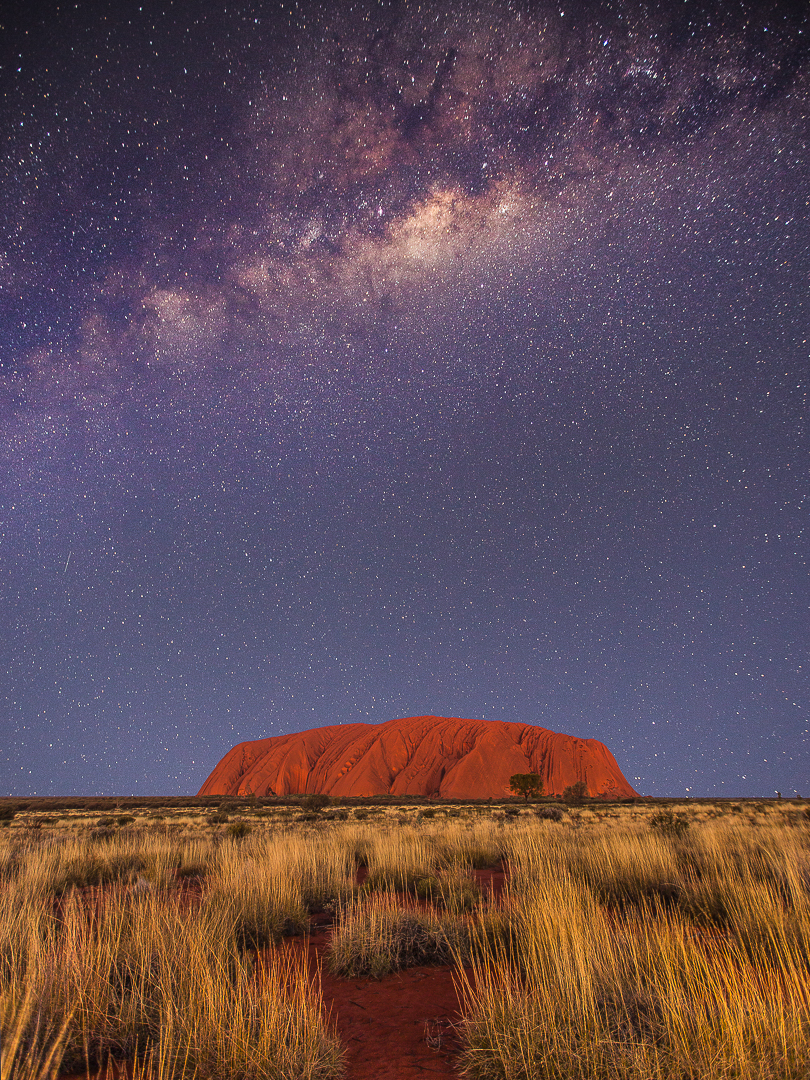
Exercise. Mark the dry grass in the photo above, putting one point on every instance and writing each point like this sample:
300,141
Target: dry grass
628,955
622,949
379,935
30,1051
269,884
144,971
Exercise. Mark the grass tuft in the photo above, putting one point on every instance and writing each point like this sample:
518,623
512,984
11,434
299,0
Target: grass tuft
377,936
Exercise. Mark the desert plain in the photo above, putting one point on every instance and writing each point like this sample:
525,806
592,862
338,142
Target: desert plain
309,938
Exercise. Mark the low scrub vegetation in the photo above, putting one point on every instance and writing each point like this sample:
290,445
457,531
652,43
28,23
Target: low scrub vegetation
629,943
377,936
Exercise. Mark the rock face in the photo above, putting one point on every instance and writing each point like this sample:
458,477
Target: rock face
432,756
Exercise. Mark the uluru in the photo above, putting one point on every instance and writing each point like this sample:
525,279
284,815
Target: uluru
429,756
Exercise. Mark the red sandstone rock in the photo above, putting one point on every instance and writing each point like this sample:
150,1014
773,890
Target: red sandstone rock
419,755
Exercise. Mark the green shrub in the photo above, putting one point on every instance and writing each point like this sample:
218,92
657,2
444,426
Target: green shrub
426,888
549,813
529,785
458,894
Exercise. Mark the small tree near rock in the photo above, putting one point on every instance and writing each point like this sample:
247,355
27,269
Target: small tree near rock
575,793
529,785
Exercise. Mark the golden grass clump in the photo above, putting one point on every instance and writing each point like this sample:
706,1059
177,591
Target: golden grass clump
396,859
29,1051
269,884
378,935
399,858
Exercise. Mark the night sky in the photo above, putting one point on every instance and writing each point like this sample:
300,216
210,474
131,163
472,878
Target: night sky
379,359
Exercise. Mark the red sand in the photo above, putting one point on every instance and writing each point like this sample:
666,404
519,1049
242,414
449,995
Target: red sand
397,1028
400,1027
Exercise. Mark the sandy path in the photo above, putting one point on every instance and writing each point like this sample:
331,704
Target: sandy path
400,1027
397,1028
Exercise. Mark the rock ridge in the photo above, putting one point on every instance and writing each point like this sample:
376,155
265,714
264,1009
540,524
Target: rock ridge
428,756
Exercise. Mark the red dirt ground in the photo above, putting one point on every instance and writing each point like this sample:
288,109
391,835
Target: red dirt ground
397,1028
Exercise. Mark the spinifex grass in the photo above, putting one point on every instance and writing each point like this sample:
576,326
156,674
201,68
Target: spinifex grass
57,864
468,844
377,935
151,974
273,1031
257,900
30,1051
594,971
397,858
620,951
268,885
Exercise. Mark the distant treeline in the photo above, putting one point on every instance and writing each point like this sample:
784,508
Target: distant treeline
108,803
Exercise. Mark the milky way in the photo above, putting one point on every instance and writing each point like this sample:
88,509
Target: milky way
368,360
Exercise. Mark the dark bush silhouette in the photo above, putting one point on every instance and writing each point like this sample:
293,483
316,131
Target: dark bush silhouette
529,785
315,803
669,823
575,793
238,830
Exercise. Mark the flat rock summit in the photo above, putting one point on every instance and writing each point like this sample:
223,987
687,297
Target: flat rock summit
429,756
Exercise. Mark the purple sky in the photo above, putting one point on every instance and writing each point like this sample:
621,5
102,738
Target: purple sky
367,360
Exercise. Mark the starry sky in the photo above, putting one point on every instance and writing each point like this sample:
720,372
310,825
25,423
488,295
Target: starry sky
365,360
